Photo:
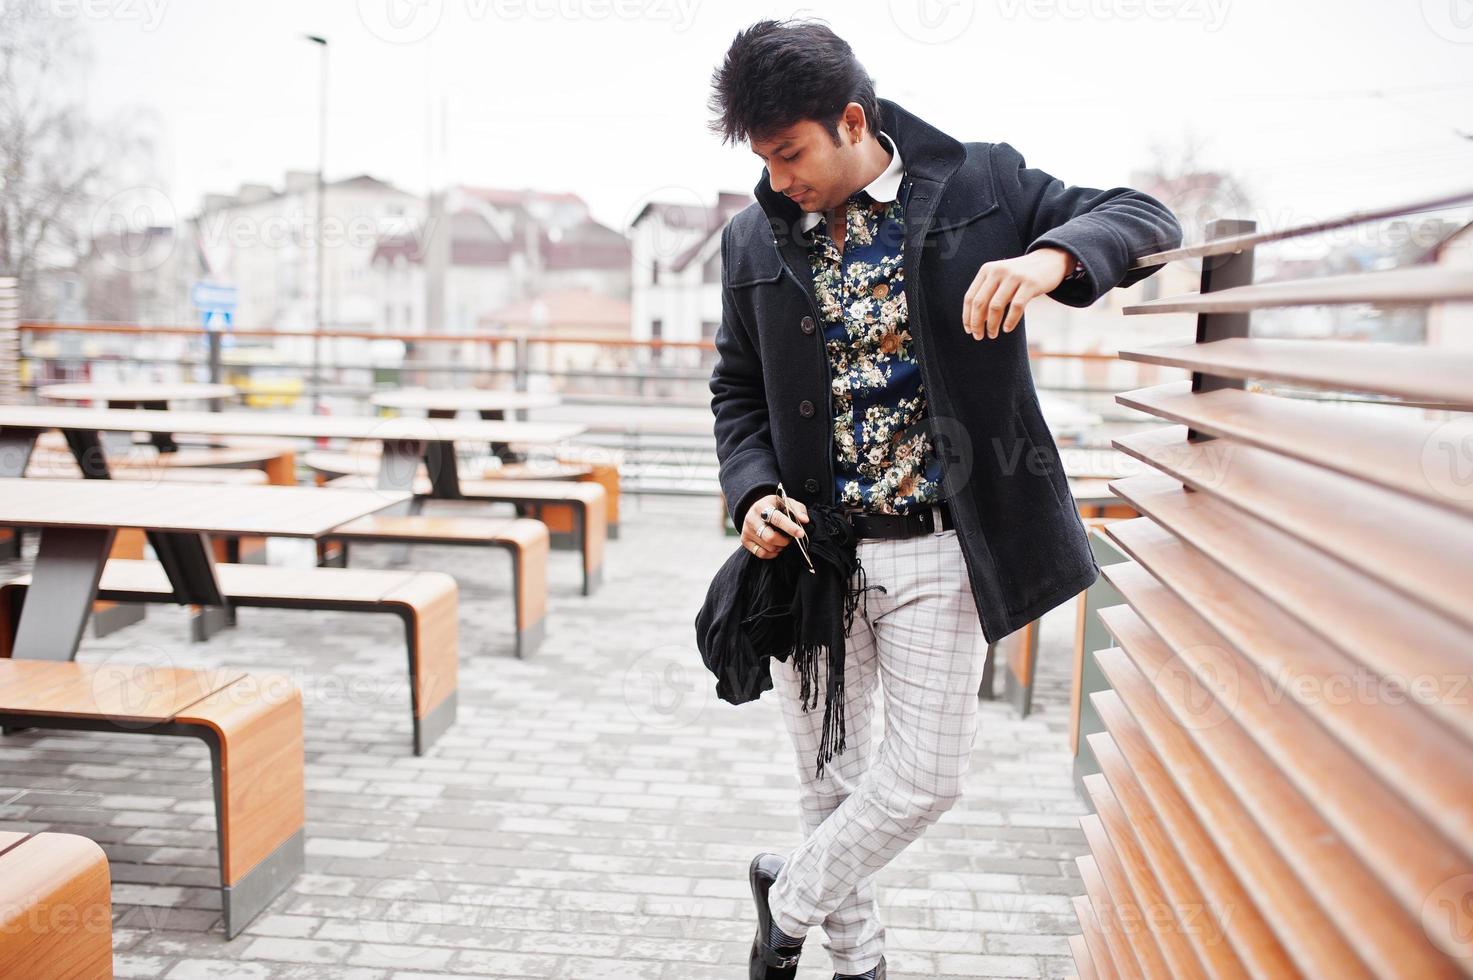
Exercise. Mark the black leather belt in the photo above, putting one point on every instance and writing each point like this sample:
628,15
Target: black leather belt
923,520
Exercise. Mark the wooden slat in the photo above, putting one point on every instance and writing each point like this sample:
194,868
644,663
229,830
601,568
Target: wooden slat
1345,832
1425,552
1290,907
1127,913
1111,917
1324,619
1237,243
1094,941
1405,454
1410,286
1161,916
1082,961
1429,375
1145,785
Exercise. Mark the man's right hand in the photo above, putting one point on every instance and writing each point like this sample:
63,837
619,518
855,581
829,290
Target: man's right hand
767,539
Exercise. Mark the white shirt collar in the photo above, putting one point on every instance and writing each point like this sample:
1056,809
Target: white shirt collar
882,188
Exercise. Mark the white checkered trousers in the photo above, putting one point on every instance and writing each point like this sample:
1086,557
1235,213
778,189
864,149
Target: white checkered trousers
921,639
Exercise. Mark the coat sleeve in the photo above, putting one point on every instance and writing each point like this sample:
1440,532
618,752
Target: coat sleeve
1106,230
739,400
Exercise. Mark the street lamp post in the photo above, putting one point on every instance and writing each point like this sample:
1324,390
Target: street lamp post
321,216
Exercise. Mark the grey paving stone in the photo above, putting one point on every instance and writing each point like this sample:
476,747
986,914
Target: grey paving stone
591,814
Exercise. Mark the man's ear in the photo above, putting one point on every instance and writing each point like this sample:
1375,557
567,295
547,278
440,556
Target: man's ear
852,124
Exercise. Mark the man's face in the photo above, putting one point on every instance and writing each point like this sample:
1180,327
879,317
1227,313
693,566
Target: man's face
803,163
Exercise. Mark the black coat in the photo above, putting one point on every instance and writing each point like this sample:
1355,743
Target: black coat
965,204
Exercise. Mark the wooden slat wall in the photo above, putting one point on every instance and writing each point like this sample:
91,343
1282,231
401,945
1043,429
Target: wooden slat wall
1286,784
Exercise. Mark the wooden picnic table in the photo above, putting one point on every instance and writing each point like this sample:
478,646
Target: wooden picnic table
79,518
445,402
490,403
152,395
130,394
406,441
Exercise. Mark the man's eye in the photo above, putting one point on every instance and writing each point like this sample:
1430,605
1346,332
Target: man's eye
793,157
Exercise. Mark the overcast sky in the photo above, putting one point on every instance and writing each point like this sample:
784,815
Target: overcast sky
1318,106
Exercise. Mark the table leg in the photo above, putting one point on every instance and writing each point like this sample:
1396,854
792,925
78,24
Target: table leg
16,446
501,450
86,447
163,441
441,464
189,563
398,467
63,587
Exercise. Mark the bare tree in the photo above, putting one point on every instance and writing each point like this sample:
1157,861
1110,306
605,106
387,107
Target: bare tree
1181,178
56,163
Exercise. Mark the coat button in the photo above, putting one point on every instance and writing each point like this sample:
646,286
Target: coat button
811,485
806,324
805,408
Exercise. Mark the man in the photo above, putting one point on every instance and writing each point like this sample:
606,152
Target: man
872,355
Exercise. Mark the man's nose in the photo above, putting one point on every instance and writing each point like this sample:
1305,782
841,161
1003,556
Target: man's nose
779,181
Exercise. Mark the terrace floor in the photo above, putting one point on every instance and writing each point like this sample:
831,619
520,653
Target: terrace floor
591,814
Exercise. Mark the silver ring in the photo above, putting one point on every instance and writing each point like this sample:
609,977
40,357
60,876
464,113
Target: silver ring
761,529
767,515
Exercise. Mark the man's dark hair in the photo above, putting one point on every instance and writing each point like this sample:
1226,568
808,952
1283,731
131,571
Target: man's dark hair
778,73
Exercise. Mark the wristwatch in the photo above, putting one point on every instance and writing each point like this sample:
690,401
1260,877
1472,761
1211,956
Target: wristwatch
1077,272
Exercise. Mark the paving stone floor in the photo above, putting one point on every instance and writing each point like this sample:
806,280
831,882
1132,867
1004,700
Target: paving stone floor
591,814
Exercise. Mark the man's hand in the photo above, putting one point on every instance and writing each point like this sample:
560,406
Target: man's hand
768,539
1003,288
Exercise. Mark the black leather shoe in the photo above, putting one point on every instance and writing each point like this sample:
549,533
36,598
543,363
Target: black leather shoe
765,962
879,972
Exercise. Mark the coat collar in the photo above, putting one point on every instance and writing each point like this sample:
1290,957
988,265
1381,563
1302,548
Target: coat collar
931,157
884,188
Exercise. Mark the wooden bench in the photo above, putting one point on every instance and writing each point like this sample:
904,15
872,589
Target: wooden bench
532,498
590,464
425,601
525,540
55,907
251,723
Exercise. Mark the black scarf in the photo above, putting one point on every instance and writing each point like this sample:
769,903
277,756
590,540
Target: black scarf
758,608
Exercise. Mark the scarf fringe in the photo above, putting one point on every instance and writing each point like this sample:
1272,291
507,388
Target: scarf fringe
806,658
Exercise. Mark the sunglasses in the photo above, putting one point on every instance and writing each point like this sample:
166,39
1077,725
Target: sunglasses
803,548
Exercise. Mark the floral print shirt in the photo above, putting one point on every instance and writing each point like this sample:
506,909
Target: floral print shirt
884,460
